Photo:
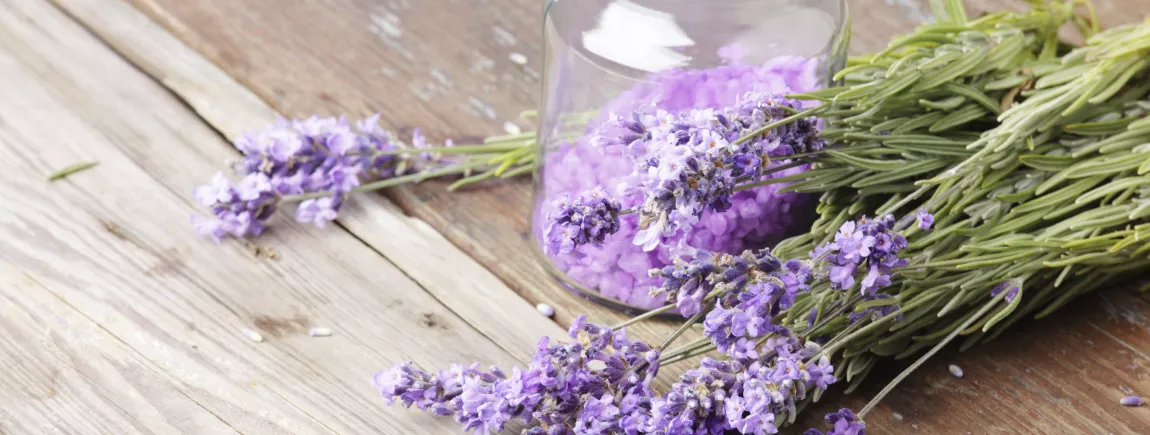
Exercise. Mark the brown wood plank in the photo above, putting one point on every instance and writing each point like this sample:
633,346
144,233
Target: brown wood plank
422,64
119,319
427,64
1061,375
470,290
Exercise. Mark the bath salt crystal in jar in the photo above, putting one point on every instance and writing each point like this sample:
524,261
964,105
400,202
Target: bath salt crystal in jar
610,61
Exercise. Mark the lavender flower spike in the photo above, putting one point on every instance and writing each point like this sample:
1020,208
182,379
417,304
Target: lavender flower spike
586,220
842,422
303,156
693,162
588,386
925,220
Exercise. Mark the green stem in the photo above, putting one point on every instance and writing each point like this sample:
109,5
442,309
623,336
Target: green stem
686,349
894,383
776,124
742,187
518,137
389,182
472,179
458,149
684,327
831,347
518,171
644,316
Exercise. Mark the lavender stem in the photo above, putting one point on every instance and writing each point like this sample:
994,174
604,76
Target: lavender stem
894,383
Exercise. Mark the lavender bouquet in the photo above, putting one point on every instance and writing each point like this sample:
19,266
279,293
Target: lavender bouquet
1005,176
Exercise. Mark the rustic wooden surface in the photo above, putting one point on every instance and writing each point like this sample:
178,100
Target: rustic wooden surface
116,319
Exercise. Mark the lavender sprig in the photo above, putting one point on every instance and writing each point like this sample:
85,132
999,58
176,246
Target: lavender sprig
317,161
586,386
600,382
585,220
688,163
843,422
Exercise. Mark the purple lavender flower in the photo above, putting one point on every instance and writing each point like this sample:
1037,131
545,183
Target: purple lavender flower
687,283
868,243
319,211
925,220
842,422
757,217
690,163
1010,294
586,220
592,385
298,157
238,210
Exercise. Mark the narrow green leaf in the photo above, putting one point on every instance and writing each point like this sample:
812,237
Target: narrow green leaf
71,169
967,114
1046,163
950,103
973,94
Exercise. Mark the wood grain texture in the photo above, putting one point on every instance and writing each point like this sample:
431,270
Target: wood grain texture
118,319
1062,375
469,289
422,63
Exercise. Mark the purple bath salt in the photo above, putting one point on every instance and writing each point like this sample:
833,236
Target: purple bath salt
617,268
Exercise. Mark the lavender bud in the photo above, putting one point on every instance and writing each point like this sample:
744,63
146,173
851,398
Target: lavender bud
955,370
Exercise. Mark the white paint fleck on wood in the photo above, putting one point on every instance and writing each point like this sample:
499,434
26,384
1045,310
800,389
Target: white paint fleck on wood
387,24
504,37
387,27
479,108
253,335
511,128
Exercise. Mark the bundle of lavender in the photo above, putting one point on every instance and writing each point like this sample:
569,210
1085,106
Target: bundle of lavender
1004,172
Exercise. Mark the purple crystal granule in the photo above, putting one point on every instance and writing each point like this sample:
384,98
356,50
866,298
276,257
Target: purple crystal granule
616,267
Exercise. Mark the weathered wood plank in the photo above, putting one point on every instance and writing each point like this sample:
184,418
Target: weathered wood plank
469,290
65,374
1063,375
113,244
422,64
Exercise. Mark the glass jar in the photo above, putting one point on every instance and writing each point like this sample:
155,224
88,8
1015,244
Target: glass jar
611,57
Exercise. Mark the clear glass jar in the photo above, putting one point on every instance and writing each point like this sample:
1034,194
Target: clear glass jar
607,57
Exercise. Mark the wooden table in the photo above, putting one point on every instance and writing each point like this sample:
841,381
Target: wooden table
115,318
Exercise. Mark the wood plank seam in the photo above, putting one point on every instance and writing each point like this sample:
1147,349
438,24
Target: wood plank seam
150,364
146,362
62,84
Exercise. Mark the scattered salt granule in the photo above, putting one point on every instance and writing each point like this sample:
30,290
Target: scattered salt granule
898,416
518,58
1131,401
253,335
319,332
511,128
545,310
956,371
